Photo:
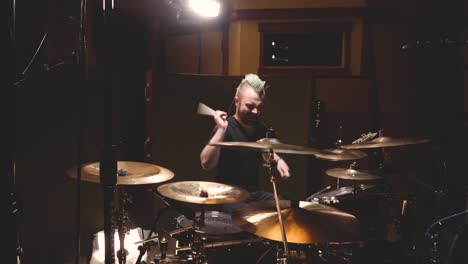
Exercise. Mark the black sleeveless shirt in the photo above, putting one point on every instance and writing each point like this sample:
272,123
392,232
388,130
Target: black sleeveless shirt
239,166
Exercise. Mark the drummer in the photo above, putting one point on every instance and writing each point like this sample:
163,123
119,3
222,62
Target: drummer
241,167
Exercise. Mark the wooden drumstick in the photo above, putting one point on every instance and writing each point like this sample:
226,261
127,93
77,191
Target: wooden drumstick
203,109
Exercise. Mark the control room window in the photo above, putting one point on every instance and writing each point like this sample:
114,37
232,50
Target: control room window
291,48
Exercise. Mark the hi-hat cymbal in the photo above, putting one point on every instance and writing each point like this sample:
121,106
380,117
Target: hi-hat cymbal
266,144
129,173
340,154
202,192
352,174
383,142
304,223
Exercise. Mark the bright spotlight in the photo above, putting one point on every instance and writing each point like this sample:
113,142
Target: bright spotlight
206,8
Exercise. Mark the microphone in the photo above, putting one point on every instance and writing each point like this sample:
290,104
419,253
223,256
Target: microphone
179,207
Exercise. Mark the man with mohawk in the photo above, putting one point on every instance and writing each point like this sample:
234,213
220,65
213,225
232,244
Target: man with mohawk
240,167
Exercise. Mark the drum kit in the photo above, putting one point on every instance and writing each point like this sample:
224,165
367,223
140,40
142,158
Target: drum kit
284,223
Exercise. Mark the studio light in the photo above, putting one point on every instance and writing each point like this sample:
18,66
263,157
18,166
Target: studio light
206,8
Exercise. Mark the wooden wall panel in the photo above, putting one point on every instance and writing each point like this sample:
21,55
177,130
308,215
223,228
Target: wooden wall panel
346,102
182,53
194,53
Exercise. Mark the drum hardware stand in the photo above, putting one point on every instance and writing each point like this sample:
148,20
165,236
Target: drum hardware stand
292,256
272,169
196,244
162,239
379,155
159,238
121,221
108,163
354,166
149,241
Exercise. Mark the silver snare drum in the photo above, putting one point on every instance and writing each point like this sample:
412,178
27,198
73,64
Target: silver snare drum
217,224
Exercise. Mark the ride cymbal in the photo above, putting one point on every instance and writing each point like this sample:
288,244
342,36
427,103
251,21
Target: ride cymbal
340,154
266,144
351,174
383,142
202,192
128,173
304,222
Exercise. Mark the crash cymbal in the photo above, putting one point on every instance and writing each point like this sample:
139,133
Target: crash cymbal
129,173
351,174
304,222
201,192
340,154
266,144
383,142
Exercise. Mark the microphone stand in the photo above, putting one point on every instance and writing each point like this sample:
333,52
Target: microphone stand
81,61
148,241
108,163
147,244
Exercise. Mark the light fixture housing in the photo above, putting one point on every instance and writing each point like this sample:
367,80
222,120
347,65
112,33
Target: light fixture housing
205,8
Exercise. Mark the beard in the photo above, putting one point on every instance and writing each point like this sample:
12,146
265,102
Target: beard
249,119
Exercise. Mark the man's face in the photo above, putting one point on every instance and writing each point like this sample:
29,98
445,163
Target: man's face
248,106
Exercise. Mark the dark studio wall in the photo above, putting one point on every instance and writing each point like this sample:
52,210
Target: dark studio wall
421,89
47,119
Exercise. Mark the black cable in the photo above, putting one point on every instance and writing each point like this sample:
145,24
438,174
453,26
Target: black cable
264,254
439,222
35,54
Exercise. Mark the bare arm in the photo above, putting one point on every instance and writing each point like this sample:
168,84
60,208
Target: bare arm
209,156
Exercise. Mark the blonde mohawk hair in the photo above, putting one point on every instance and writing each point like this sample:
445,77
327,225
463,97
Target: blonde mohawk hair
255,82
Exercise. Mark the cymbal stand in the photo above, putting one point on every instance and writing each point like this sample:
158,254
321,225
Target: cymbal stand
197,244
356,190
381,157
272,169
108,163
122,220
